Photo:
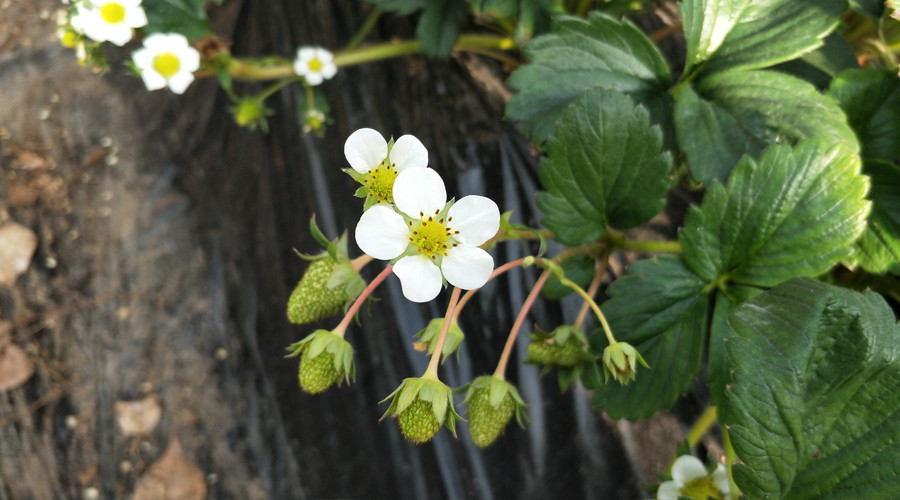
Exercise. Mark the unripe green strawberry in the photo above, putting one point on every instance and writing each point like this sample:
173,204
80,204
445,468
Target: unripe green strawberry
566,346
417,421
325,358
318,373
491,404
313,299
422,406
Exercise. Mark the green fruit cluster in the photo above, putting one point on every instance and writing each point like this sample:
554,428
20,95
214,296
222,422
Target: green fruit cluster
325,358
317,373
418,422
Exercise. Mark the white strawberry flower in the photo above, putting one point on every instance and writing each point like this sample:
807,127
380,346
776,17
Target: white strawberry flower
167,60
434,240
314,64
690,479
109,20
376,164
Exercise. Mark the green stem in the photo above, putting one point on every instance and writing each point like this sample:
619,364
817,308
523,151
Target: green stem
730,459
592,290
655,246
580,291
364,30
342,327
701,426
275,87
500,372
432,369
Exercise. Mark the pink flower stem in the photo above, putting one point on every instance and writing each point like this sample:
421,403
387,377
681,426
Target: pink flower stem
497,272
431,371
342,328
500,372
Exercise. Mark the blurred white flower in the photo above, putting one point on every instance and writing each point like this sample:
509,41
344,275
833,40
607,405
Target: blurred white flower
167,60
314,64
434,240
109,20
690,479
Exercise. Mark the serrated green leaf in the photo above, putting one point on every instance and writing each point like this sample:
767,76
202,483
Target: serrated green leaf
658,308
706,24
878,250
439,26
796,212
812,405
820,66
581,54
717,365
871,100
761,34
603,169
741,112
187,17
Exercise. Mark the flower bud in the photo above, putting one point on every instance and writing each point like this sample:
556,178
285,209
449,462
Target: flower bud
620,360
429,336
251,112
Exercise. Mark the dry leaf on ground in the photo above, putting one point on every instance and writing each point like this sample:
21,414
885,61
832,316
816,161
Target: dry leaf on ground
15,367
172,477
17,245
139,416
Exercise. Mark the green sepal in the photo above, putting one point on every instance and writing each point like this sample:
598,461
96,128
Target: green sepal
325,341
426,389
428,338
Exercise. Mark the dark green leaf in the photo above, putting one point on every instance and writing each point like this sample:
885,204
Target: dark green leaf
812,407
879,247
578,269
717,365
604,168
871,8
402,7
187,17
658,308
741,112
580,54
871,100
820,66
439,26
759,35
796,212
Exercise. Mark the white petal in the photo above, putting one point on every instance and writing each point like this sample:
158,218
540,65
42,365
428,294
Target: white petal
720,479
152,79
382,233
313,78
180,81
135,17
189,59
420,279
409,152
365,149
668,490
467,267
328,71
119,34
476,218
419,191
687,468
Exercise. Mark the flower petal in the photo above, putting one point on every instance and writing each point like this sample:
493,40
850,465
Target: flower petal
180,81
668,491
687,468
476,218
467,267
382,233
720,479
420,279
364,149
419,191
408,151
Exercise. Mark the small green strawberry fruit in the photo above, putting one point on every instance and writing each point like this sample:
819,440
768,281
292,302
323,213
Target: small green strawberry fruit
429,336
566,346
418,422
422,406
491,402
620,361
325,358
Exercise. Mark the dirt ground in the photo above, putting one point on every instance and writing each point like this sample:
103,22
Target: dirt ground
151,243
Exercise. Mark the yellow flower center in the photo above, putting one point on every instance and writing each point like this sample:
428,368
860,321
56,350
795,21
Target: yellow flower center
432,238
113,13
166,64
701,489
380,181
315,65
